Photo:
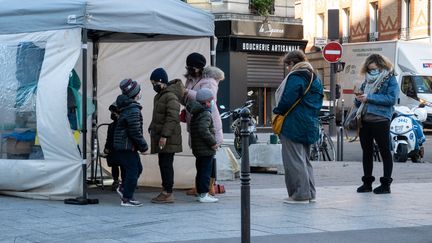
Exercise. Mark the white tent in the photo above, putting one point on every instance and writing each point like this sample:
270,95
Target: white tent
45,40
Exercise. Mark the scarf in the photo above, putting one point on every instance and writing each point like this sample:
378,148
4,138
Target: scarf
305,66
370,87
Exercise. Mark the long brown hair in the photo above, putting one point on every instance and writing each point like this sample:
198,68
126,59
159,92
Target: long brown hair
382,62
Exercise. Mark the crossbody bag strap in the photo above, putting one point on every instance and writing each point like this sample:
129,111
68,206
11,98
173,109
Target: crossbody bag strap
193,86
299,99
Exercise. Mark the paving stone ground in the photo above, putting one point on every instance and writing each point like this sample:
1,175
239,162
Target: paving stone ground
339,215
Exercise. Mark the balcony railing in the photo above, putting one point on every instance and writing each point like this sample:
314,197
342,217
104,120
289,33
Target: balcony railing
404,33
373,36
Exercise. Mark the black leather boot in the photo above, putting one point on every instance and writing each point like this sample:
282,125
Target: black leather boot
384,188
367,184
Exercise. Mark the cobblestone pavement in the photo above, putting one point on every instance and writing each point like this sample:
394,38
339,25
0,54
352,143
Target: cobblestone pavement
339,215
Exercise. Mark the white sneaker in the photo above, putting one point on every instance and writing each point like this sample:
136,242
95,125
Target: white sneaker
131,203
290,200
206,198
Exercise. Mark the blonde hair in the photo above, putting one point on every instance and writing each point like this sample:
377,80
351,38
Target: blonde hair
381,61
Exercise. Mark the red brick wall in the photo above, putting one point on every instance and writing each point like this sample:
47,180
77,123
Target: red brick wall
389,19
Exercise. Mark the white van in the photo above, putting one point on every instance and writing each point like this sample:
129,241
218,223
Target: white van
413,66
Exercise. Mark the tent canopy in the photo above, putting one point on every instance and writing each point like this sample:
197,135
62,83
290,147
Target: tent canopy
55,27
127,16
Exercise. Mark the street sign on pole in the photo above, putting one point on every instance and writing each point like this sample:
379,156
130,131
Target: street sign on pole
332,52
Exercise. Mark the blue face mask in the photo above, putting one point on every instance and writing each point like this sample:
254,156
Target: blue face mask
372,75
212,103
374,72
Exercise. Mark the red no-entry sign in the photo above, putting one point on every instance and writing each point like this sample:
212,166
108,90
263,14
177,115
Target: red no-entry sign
332,52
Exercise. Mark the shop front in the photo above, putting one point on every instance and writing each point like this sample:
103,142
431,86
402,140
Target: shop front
250,54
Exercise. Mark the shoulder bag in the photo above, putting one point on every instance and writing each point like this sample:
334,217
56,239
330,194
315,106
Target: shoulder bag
278,119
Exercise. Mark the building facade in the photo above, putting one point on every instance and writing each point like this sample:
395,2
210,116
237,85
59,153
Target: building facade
362,21
366,20
249,50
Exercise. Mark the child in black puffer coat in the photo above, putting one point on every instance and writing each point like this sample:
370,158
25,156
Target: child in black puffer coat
129,139
203,141
111,155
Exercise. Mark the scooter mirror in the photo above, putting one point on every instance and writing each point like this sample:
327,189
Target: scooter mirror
249,103
222,107
225,115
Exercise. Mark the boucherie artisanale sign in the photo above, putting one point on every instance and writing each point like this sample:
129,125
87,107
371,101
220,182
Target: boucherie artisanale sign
255,45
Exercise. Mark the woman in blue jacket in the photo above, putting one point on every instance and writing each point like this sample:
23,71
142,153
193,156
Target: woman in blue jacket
378,94
301,126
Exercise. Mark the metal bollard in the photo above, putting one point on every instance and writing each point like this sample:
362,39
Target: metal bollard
339,144
245,177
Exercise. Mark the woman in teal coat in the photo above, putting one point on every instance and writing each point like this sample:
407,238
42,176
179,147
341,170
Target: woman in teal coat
301,126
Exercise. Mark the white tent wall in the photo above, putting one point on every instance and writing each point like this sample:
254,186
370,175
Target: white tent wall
59,23
58,175
137,60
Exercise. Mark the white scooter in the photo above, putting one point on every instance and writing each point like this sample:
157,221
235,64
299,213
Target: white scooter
406,133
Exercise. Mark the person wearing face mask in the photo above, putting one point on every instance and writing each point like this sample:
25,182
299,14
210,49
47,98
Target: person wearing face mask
111,154
164,129
197,77
195,64
203,141
129,140
378,94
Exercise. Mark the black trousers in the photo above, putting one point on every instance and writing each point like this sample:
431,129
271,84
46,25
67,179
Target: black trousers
166,161
116,171
203,166
380,132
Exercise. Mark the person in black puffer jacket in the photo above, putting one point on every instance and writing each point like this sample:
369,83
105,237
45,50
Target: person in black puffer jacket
128,139
203,141
111,155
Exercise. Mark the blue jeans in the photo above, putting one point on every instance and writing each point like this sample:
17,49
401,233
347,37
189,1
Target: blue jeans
203,166
131,163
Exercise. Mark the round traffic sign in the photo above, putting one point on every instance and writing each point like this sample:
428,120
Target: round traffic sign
332,52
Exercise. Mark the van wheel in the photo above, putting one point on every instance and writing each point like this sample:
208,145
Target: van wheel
401,154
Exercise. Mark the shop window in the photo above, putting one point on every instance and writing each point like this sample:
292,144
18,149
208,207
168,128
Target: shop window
373,21
264,98
405,19
345,24
20,67
320,25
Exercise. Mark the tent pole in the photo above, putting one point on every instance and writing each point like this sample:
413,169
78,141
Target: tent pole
83,200
94,135
84,110
212,51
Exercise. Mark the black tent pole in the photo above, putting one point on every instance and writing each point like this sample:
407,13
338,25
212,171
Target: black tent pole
84,111
83,200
